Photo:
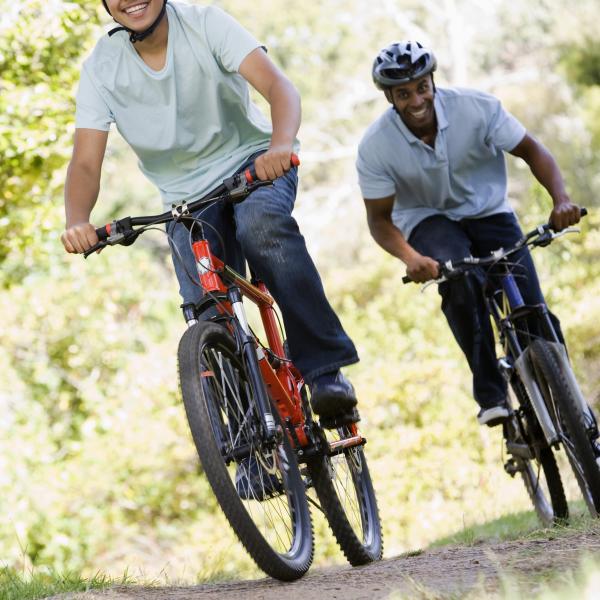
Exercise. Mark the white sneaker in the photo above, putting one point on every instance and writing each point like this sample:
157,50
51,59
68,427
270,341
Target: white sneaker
493,416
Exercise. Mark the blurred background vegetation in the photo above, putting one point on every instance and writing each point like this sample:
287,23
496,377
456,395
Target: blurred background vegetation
97,469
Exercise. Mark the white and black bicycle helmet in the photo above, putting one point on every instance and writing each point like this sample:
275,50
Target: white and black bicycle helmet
401,62
138,36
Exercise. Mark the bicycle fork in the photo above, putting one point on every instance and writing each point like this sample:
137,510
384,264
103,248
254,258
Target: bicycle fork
211,281
525,372
251,354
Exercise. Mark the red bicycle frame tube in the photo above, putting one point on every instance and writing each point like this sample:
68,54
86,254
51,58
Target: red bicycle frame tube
283,382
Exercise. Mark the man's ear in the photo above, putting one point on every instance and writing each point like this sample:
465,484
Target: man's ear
388,95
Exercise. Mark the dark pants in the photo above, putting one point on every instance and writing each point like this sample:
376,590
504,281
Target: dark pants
462,298
262,230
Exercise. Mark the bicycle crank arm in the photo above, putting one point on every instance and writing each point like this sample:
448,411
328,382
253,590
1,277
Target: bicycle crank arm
520,450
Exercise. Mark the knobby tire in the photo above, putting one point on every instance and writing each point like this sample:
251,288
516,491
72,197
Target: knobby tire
563,405
346,495
553,509
556,510
219,419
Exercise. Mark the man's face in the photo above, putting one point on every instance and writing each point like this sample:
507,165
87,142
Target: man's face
414,102
137,15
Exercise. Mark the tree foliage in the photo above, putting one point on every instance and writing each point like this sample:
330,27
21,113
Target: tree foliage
41,43
96,466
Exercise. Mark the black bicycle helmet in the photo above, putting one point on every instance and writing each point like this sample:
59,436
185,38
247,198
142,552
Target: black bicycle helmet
138,36
401,62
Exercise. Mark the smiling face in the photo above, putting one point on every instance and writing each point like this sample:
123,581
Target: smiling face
136,15
414,103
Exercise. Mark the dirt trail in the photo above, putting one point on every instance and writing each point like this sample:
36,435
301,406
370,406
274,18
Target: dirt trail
438,573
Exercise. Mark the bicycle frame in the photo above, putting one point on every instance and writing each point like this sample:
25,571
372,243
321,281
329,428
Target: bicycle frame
283,381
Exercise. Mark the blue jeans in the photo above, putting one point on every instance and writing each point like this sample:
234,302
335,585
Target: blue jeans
462,299
262,231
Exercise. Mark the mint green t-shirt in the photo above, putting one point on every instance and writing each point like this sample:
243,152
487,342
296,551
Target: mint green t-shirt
192,123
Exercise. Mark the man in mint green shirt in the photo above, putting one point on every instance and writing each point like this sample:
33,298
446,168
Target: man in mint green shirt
174,80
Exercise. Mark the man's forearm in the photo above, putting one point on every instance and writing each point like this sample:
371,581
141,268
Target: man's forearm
285,112
546,171
389,237
81,192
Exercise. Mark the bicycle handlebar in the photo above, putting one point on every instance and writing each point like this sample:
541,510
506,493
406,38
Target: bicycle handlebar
540,236
233,189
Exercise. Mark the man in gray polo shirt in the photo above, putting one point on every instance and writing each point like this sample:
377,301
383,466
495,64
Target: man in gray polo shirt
433,176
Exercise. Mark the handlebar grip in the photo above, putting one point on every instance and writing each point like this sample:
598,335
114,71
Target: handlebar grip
250,172
406,279
584,211
103,232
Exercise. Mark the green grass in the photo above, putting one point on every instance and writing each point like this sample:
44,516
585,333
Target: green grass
15,585
515,526
581,581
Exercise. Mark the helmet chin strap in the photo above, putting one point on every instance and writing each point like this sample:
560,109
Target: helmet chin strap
135,36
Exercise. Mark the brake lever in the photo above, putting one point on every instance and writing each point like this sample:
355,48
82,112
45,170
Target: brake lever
98,246
558,234
433,282
243,190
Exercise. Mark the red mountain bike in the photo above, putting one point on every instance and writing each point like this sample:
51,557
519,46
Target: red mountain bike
250,417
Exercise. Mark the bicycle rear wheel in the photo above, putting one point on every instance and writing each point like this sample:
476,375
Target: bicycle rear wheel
258,485
569,419
534,460
345,491
544,486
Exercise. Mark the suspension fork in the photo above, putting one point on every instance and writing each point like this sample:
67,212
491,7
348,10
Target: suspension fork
211,281
250,352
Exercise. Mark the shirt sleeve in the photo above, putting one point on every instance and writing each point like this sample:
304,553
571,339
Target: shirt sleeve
228,41
91,111
374,182
504,130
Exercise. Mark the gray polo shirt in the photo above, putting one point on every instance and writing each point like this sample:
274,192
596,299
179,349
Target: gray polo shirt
192,123
464,176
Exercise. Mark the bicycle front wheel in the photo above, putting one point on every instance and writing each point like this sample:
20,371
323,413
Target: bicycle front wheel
574,427
345,491
258,485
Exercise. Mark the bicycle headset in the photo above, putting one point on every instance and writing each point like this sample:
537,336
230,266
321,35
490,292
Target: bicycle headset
137,36
401,62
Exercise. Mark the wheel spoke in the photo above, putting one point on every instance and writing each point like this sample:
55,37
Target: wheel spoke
230,394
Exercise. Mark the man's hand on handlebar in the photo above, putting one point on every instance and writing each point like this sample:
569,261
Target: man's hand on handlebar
79,237
276,161
421,268
564,214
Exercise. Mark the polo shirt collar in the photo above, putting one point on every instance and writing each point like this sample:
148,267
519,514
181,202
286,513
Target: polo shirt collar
442,121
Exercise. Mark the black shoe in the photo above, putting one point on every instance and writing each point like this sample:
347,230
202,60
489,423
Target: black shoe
334,401
492,416
254,482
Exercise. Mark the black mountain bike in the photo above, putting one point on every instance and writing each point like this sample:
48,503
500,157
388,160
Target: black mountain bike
250,416
547,408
